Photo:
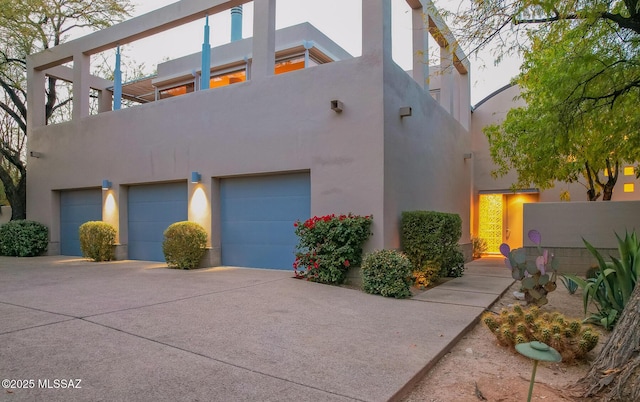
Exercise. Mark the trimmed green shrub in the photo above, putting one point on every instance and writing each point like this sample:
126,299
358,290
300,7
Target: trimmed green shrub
329,245
429,237
387,273
184,245
97,240
425,276
23,238
453,265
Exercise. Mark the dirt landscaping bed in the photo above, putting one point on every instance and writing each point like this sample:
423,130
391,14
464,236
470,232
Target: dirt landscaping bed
478,367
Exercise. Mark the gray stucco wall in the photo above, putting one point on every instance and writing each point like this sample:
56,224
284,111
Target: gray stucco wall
365,160
563,226
283,123
424,160
280,124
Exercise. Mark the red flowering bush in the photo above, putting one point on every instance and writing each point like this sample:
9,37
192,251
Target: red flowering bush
329,245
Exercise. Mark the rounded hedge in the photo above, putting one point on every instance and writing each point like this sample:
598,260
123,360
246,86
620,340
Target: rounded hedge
454,265
97,240
184,245
23,238
387,273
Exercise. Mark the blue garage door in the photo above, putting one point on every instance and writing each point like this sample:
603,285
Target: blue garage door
152,208
76,208
257,216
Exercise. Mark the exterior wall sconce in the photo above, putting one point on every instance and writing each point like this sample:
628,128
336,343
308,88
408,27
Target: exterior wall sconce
337,106
35,154
405,111
468,156
195,177
106,185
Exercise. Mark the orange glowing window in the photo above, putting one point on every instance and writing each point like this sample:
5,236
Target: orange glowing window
629,187
176,91
629,171
289,65
227,79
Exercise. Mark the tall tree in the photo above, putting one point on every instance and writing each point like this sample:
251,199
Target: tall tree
586,57
615,374
26,27
580,80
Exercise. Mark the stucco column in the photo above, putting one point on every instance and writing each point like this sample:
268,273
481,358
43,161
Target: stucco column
110,209
447,84
36,95
420,46
105,101
376,27
199,209
264,39
81,89
464,96
114,212
120,195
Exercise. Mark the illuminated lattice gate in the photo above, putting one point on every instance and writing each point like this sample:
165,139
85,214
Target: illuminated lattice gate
490,221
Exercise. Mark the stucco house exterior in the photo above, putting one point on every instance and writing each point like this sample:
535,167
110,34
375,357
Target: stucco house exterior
498,213
305,129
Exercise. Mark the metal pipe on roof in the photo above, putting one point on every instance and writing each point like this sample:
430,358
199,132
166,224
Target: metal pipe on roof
206,57
236,23
117,83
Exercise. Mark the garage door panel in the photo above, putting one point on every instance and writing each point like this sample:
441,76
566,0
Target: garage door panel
254,233
76,208
257,216
154,193
149,231
270,186
144,250
150,212
245,256
281,208
151,209
268,208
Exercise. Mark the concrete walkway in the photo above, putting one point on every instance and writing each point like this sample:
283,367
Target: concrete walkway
136,331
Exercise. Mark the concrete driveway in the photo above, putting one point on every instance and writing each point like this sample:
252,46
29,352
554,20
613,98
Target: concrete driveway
137,331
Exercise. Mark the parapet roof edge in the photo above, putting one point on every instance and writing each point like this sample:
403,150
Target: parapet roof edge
492,94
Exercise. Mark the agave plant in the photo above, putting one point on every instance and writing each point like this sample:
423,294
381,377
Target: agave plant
569,284
611,288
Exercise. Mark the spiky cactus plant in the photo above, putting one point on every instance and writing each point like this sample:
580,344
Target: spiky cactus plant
539,277
520,325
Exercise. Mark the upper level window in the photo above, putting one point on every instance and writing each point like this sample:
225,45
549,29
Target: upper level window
230,76
177,90
227,79
286,66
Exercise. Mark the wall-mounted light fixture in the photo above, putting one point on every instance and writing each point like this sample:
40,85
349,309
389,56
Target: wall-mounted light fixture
405,111
106,184
468,155
195,177
35,154
337,106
